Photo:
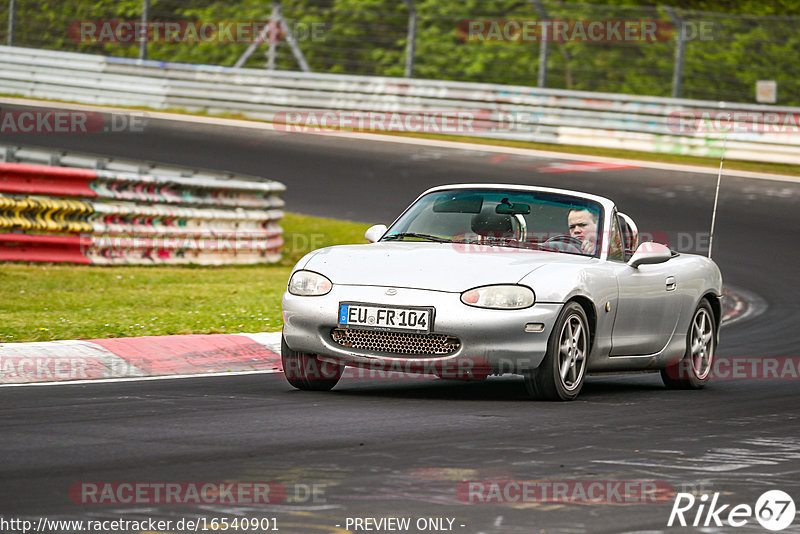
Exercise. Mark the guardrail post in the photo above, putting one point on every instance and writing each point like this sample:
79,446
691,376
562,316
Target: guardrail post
411,38
143,34
292,42
680,50
12,15
272,51
271,31
7,155
544,45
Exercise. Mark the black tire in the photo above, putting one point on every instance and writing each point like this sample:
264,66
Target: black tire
693,370
305,371
560,375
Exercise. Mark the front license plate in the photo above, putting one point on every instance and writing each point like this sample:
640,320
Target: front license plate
380,317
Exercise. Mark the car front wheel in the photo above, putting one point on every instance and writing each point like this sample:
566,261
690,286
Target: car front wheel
560,375
694,369
307,372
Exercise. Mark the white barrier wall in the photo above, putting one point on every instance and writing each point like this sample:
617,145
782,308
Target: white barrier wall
651,124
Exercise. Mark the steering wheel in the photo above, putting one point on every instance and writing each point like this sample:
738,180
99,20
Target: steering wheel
562,242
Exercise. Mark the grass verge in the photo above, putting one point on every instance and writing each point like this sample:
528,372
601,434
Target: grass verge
45,302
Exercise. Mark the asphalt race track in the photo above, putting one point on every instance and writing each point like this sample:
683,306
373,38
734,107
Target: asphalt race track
402,448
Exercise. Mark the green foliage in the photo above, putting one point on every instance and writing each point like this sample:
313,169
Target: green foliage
748,40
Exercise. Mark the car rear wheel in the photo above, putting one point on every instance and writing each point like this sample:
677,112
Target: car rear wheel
560,375
307,372
694,369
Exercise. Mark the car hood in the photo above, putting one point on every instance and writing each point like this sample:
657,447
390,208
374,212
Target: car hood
436,266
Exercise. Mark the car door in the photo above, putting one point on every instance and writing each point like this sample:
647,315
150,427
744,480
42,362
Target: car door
648,307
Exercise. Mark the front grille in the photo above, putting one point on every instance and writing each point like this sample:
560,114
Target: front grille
397,342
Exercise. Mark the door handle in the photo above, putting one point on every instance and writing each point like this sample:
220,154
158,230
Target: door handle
671,283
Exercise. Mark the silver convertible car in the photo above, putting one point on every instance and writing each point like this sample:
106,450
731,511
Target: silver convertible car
475,280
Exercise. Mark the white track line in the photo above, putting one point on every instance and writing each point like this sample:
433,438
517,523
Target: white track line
138,378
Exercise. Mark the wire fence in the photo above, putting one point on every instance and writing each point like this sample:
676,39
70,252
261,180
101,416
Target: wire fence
658,51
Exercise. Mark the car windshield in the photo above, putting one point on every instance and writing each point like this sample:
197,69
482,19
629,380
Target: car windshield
507,218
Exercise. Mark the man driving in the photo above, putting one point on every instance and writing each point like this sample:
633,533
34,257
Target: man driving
583,226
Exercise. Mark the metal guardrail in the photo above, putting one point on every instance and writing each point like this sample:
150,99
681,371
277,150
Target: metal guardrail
63,207
651,124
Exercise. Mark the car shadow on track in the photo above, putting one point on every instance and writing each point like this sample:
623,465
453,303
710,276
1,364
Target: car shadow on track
494,389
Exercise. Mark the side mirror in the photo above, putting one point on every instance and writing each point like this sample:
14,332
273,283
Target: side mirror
374,233
650,253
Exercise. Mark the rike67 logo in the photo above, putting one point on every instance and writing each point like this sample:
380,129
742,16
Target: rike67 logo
774,510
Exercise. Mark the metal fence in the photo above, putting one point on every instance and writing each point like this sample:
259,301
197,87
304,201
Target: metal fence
697,55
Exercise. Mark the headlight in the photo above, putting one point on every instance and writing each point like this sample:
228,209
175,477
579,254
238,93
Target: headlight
504,297
309,284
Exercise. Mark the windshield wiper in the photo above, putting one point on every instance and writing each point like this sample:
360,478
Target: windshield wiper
429,237
493,243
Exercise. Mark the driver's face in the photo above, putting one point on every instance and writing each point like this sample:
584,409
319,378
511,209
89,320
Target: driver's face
583,226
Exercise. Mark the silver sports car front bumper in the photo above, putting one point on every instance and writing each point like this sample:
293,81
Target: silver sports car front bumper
508,340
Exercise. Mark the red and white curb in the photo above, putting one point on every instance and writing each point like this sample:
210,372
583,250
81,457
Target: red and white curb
138,358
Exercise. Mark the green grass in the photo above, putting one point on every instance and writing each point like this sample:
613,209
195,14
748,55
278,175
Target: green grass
45,302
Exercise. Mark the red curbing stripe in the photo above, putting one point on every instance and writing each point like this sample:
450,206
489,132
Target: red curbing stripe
732,305
44,247
190,354
580,166
43,180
